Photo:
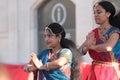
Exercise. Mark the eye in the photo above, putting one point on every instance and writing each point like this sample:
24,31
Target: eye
98,12
50,36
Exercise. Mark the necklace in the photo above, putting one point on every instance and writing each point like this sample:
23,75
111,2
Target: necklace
53,55
102,33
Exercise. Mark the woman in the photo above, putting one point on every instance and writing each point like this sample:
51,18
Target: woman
55,62
103,43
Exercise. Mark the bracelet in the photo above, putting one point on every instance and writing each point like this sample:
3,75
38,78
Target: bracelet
81,51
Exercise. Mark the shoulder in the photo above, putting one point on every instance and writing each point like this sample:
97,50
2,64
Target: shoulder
66,51
44,52
112,30
115,29
95,29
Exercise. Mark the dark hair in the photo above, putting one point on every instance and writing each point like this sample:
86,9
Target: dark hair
114,18
58,29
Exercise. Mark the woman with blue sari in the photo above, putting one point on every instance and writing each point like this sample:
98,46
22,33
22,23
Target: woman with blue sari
55,62
103,43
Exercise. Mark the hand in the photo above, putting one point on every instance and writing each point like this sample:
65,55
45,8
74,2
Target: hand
90,39
29,68
38,63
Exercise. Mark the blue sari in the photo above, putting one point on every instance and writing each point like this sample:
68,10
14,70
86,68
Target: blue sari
58,73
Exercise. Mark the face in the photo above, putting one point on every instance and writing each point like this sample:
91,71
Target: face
100,15
51,39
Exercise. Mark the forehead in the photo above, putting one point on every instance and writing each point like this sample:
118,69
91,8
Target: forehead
98,7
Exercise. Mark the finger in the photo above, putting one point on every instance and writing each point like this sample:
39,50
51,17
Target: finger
40,60
33,54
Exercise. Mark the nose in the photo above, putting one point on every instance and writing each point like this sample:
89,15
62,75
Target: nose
95,14
46,39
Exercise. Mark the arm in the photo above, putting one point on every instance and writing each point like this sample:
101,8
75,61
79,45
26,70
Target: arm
84,48
54,64
108,46
50,65
90,40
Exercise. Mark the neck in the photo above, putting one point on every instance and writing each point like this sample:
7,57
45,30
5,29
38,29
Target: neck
105,26
56,49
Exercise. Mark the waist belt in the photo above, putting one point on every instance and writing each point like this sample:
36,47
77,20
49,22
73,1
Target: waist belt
114,64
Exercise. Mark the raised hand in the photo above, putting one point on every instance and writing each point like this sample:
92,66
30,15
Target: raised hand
90,39
38,63
30,67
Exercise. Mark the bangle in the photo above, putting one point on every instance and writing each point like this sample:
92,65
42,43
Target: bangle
81,51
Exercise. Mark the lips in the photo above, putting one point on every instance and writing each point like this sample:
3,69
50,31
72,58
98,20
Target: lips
96,19
48,43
